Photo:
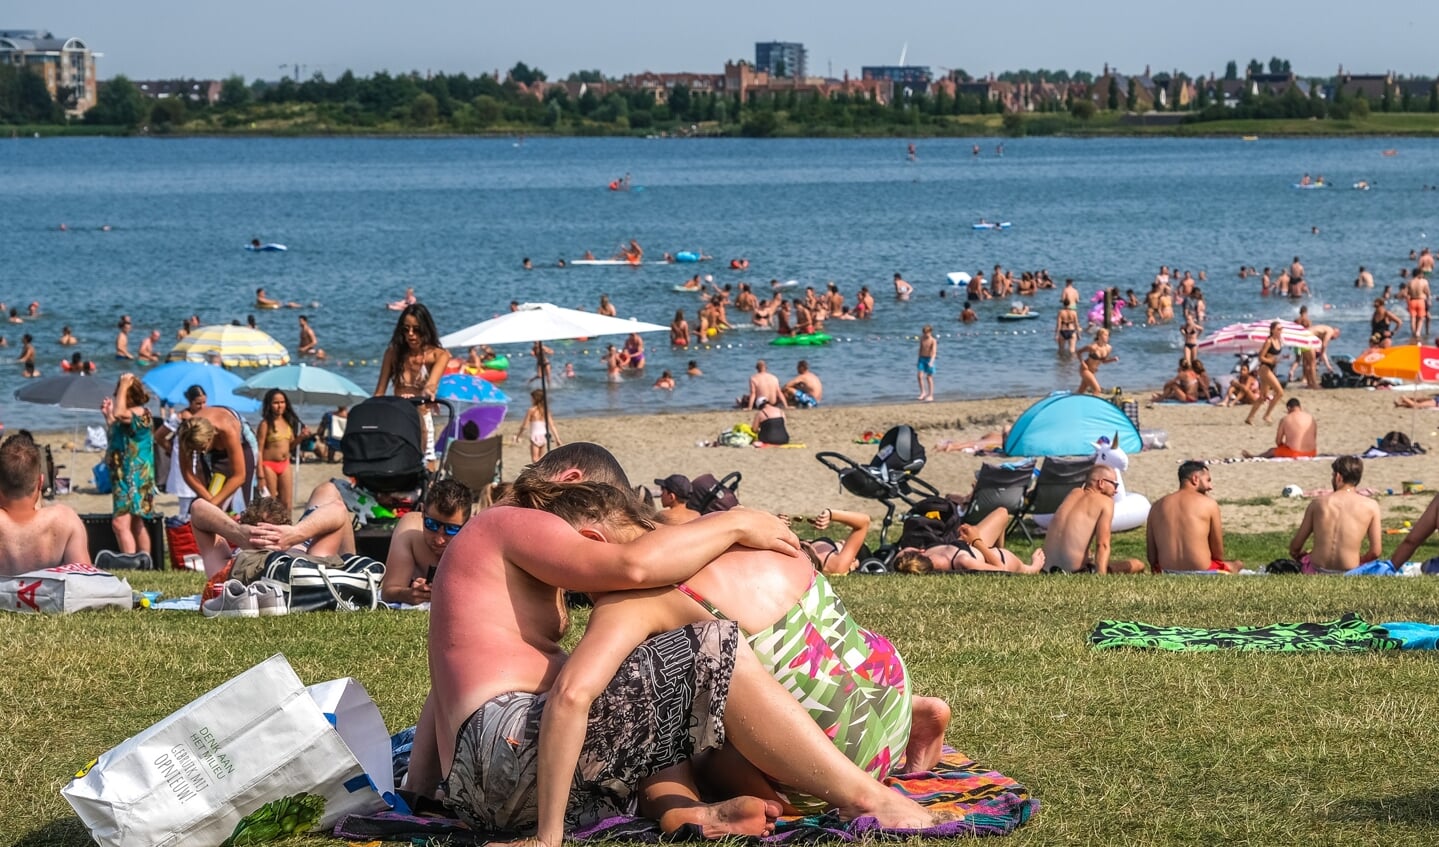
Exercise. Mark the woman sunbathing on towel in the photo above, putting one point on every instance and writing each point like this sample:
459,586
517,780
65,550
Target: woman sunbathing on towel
983,444
977,550
780,603
835,558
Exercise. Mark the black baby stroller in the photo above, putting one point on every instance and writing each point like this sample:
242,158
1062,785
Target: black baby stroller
384,446
708,494
891,477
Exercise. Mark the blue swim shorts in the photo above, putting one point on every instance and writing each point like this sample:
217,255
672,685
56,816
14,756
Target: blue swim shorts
926,365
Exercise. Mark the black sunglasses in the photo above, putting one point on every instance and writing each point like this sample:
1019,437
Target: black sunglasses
451,529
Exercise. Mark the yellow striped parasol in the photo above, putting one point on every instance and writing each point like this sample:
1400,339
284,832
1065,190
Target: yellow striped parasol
232,346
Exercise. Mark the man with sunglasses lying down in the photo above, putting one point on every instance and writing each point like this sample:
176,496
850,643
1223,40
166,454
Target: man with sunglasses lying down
420,539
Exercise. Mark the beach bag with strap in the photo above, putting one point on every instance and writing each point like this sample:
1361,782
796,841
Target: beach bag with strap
257,759
317,586
932,521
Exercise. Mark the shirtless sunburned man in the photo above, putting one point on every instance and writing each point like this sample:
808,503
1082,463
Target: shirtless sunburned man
1419,306
1340,523
1083,521
496,621
1069,295
1096,353
1296,437
33,537
763,385
1184,531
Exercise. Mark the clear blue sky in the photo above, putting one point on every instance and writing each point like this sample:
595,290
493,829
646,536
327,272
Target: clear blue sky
147,39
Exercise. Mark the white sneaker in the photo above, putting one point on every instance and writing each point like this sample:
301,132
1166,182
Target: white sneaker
235,601
270,598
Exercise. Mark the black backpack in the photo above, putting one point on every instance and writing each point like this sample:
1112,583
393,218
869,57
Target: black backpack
1398,444
932,521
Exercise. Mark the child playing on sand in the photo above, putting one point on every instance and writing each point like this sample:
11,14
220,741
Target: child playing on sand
539,426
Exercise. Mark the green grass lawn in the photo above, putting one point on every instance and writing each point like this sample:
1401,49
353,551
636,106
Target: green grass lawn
1121,747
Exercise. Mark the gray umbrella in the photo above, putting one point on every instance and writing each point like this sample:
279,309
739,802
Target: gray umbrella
68,391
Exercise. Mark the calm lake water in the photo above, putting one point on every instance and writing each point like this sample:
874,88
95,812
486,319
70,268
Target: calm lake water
364,218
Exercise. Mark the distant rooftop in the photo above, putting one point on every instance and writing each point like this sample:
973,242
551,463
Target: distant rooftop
37,41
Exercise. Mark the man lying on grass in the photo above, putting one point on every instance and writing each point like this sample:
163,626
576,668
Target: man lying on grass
852,681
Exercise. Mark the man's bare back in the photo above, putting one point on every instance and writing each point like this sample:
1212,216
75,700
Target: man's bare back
1298,431
1183,532
765,385
35,538
1340,524
1076,522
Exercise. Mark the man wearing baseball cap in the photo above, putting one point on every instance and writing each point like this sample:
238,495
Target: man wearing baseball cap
674,491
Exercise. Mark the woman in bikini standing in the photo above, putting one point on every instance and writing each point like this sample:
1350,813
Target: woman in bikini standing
1097,352
1268,382
414,362
277,433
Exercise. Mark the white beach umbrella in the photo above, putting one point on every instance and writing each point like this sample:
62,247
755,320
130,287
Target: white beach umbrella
544,322
531,322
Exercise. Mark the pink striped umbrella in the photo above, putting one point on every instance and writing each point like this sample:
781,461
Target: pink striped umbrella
1250,337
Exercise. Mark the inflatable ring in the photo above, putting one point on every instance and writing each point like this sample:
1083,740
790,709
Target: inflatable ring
498,363
811,339
495,376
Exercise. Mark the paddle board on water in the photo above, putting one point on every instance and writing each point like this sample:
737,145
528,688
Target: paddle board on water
988,225
267,248
607,262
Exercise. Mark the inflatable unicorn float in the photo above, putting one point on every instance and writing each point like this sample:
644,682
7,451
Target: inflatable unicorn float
1096,310
1131,509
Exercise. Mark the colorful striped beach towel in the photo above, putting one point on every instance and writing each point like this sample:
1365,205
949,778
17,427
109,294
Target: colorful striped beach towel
1348,634
984,802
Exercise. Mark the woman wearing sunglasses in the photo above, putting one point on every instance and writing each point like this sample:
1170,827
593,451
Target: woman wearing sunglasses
420,539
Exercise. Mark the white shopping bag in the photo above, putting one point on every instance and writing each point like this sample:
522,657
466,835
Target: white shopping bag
68,588
260,748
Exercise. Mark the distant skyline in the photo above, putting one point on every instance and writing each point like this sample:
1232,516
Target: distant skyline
156,39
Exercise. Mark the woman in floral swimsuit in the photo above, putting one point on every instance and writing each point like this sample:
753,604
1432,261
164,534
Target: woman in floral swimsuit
852,681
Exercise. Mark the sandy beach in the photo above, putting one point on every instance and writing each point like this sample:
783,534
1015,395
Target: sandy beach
790,480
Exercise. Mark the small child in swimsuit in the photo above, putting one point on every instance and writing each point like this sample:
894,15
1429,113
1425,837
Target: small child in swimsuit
277,433
539,426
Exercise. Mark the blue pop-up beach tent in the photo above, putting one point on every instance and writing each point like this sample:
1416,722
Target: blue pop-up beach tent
1065,424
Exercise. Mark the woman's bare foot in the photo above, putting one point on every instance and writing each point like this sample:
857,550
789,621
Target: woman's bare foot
735,816
926,734
890,809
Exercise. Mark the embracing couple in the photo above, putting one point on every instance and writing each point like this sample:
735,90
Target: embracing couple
704,640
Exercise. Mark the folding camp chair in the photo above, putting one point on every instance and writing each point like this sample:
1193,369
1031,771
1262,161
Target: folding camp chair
1057,477
999,486
477,464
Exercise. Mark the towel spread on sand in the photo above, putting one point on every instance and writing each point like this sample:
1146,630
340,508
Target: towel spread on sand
1349,634
990,803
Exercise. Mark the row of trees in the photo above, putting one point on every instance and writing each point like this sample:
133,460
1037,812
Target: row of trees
461,103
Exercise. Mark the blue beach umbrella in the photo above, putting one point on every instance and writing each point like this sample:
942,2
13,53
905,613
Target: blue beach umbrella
305,385
170,381
465,388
